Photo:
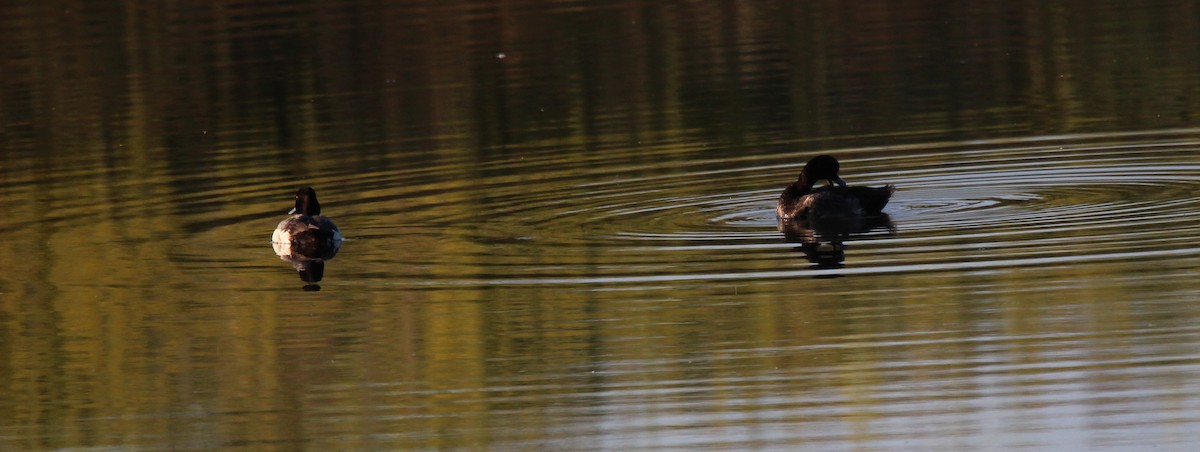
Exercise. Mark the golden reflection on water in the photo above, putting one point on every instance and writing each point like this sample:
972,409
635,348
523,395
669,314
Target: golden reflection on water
555,226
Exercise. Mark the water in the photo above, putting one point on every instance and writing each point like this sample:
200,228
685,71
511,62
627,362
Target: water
560,227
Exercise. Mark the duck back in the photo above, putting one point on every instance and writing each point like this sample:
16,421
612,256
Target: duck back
307,235
832,202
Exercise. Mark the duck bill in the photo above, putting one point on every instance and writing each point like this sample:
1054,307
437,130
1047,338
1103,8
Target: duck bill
839,181
292,212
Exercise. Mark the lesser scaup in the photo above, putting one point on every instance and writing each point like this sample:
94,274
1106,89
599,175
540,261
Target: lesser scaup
306,233
833,202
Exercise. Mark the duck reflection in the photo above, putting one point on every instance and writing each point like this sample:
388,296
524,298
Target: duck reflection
311,269
306,239
824,243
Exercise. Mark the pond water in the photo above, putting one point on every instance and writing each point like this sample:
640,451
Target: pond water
561,233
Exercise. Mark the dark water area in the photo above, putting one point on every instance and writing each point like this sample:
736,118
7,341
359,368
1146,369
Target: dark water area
560,227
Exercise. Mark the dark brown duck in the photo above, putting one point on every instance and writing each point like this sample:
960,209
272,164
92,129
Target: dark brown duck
835,201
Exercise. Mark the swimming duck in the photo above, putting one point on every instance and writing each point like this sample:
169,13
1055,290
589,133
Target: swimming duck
833,202
306,233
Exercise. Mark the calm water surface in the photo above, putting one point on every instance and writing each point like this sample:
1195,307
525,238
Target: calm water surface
560,227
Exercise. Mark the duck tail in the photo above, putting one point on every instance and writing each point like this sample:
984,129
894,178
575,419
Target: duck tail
877,198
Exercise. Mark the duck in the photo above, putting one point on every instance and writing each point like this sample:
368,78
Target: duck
835,201
306,233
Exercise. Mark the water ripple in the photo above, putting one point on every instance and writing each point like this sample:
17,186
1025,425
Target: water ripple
987,205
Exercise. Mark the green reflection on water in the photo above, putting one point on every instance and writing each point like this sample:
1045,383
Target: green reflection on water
148,148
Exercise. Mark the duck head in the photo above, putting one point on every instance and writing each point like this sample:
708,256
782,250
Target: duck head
821,167
306,202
